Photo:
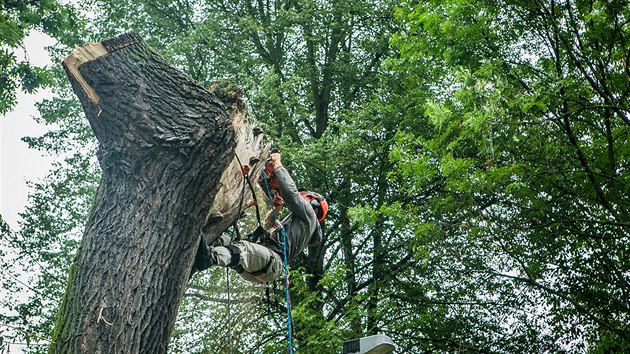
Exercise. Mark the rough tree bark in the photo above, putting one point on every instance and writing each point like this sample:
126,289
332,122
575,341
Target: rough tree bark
167,149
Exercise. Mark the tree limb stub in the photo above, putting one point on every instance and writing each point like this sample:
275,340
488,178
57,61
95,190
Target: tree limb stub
167,149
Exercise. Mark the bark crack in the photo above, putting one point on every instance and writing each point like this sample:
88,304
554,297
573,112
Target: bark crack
100,317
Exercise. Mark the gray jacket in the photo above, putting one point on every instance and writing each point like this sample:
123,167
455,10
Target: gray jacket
301,226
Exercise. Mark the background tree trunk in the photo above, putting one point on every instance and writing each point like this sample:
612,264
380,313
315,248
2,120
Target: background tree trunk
166,148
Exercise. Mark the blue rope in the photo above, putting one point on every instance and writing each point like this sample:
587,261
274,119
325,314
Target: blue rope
286,265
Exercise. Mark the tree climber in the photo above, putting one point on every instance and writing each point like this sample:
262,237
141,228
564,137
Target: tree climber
260,259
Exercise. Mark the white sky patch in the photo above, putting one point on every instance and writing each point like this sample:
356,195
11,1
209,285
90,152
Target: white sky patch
18,163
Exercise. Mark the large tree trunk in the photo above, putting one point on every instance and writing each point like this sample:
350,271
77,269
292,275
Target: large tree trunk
167,150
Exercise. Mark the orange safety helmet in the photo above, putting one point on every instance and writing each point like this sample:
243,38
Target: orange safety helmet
318,202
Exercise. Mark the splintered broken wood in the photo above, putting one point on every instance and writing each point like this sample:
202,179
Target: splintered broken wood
225,208
89,52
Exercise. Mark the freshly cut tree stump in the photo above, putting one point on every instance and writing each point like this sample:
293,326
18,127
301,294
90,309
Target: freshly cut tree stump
169,151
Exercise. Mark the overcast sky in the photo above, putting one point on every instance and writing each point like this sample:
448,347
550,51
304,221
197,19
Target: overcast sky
18,163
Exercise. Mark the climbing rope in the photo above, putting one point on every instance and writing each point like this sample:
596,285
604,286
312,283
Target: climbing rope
229,312
286,265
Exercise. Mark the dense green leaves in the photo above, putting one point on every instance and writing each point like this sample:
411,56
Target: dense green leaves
474,154
523,151
17,19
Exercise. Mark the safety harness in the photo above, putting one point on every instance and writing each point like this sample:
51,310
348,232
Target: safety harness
260,235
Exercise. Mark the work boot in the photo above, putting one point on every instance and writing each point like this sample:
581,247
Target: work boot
204,259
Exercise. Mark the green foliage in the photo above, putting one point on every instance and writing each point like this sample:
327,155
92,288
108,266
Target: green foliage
474,154
217,318
52,223
17,19
315,334
520,169
5,230
609,343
